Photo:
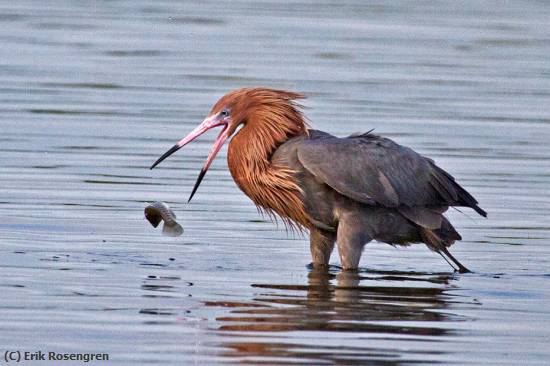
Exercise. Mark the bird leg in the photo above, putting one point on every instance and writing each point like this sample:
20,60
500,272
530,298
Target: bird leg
446,260
461,268
351,238
321,243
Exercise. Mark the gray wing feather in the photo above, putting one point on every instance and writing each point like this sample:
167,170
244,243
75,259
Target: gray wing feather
377,171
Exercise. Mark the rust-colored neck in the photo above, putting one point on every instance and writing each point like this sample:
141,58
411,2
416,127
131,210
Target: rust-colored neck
272,188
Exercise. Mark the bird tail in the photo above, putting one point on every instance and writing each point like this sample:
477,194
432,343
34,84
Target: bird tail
451,191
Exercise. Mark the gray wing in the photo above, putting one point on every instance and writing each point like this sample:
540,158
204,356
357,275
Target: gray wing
377,171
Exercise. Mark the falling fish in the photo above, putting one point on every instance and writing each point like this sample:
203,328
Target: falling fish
159,211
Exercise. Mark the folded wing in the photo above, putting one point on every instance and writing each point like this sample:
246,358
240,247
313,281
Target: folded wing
377,171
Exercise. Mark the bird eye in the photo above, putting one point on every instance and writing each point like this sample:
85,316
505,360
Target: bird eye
224,113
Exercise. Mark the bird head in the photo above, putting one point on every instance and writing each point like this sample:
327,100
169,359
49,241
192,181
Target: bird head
273,110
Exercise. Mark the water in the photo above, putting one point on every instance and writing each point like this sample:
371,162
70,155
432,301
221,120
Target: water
91,93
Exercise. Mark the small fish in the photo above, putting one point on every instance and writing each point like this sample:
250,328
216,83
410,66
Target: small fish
159,211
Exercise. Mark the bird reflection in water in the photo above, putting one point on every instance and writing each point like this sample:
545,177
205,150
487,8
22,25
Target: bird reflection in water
381,317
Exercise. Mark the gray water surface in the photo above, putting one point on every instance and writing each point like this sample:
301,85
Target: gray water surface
91,93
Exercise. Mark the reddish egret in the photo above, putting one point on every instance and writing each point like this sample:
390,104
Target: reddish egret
346,190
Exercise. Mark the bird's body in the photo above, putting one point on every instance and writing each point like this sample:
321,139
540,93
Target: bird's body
345,190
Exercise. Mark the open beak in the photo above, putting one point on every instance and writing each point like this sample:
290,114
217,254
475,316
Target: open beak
207,124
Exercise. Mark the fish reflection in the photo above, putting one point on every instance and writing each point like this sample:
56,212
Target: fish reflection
369,312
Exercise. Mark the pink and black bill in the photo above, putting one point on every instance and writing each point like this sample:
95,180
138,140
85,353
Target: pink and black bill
207,124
